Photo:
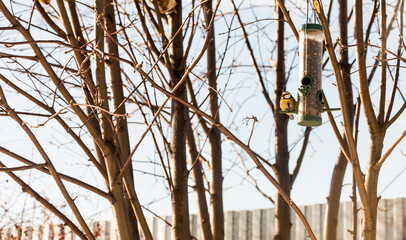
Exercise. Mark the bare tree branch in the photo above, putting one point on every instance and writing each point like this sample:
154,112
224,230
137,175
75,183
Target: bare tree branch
22,168
383,59
49,21
399,52
390,150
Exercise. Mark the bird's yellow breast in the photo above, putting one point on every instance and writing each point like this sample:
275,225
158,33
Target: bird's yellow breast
288,104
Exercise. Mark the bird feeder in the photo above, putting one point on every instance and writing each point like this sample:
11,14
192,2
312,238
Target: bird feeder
310,104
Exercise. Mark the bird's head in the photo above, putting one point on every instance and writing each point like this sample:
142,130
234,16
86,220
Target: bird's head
286,95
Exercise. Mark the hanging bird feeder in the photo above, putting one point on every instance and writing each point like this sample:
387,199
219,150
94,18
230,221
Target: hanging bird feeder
310,104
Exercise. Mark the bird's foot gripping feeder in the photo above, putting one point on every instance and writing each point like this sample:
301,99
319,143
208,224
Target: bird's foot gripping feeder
310,106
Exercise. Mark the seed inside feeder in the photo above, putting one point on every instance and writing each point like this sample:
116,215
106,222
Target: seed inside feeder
310,66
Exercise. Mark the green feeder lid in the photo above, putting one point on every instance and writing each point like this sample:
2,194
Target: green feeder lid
310,26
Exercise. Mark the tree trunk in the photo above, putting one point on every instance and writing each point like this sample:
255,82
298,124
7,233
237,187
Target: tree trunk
100,74
282,209
333,199
376,125
216,181
120,123
377,137
371,185
119,205
179,171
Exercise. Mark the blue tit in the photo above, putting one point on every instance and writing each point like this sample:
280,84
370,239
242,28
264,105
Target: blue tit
288,103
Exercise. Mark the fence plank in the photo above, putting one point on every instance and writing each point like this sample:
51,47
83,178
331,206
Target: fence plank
380,223
168,232
389,219
153,225
340,223
161,230
308,212
399,223
256,224
347,224
245,223
359,219
293,220
317,223
195,226
269,223
300,232
242,224
230,228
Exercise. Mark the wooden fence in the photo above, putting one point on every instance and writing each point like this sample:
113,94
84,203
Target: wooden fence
244,225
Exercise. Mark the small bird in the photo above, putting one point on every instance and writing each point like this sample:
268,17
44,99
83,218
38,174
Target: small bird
287,103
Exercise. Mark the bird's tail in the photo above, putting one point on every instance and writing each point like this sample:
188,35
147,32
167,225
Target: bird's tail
291,117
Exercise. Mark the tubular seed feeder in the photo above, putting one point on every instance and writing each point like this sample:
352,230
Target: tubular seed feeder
310,104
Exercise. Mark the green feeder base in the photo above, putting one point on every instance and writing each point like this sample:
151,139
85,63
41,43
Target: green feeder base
309,121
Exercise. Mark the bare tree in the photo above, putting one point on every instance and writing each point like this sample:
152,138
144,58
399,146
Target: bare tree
282,211
179,172
377,125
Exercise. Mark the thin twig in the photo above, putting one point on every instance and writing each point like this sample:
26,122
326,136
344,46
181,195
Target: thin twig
399,52
22,168
390,150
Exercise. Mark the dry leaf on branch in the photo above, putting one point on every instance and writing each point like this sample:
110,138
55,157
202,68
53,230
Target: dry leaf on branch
166,6
45,1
